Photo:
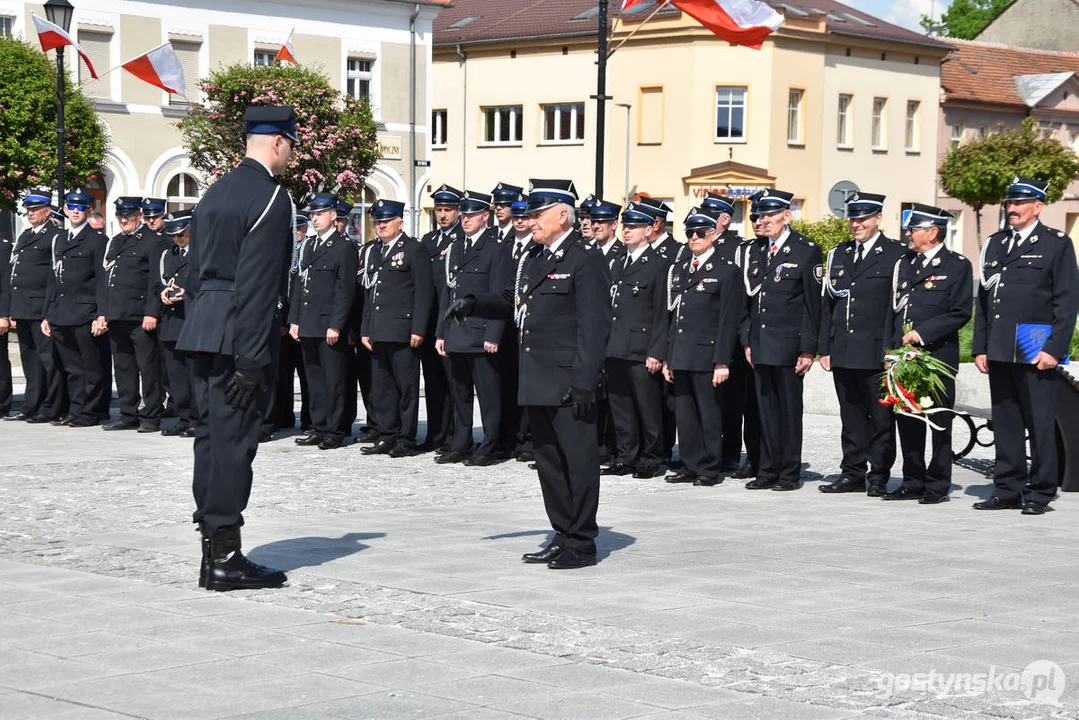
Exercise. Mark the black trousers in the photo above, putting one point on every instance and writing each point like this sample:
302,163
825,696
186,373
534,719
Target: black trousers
635,398
568,464
326,367
935,478
1024,400
44,395
700,422
395,387
670,425
176,367
514,435
5,374
358,372
166,382
80,356
606,440
779,399
104,351
226,440
868,434
436,393
738,400
479,371
289,366
134,355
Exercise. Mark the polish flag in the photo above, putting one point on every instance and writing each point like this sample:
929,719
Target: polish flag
286,52
740,22
53,36
160,67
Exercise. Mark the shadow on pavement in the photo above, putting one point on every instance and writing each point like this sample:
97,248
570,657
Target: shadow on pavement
608,541
312,551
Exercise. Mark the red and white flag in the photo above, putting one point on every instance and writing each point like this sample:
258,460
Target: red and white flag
741,22
53,36
286,52
160,67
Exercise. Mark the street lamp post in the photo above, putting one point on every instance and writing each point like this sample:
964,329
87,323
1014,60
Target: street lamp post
627,106
59,13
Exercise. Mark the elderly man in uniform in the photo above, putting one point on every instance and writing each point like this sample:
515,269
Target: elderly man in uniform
241,240
856,294
1022,330
502,199
132,307
779,336
563,320
515,436
22,308
322,298
171,270
397,279
74,310
932,294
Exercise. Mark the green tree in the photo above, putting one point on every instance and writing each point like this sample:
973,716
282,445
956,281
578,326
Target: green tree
965,18
979,173
827,232
28,122
338,139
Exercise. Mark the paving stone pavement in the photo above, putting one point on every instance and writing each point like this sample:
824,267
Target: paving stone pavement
407,597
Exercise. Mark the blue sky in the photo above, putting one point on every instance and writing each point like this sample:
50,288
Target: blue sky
901,12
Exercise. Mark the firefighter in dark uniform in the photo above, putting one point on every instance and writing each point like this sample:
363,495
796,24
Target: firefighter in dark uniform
353,358
290,363
74,310
705,296
561,311
343,217
361,356
603,223
171,270
856,292
515,436
6,390
132,307
25,279
241,241
319,308
1022,330
783,272
584,221
477,263
396,314
502,199
932,294
153,215
636,348
436,388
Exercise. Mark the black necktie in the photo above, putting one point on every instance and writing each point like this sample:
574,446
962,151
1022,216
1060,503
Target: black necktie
517,247
858,254
1016,239
385,250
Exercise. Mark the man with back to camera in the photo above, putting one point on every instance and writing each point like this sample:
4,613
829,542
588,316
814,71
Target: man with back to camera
241,242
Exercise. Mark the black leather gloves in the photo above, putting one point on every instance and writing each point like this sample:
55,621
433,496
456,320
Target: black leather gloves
582,401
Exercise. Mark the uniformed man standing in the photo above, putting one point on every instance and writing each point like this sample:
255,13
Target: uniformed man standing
636,348
74,310
1022,330
436,388
172,270
241,240
153,215
319,308
584,218
290,364
932,294
25,279
857,291
563,321
396,314
477,263
343,217
502,199
779,336
132,307
707,299
515,436
604,224
6,389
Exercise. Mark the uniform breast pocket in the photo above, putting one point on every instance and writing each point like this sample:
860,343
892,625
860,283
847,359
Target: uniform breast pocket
1027,268
553,298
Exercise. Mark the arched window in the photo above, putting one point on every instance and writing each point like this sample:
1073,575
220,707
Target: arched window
183,192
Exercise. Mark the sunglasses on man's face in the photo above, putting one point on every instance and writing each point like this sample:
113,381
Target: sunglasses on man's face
697,233
73,206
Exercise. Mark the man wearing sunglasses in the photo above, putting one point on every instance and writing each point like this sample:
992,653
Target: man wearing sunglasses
502,199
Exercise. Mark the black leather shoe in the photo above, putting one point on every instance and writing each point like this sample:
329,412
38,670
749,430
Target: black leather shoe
149,427
62,420
728,467
228,569
265,436
383,447
843,485
188,432
995,503
38,420
682,476
545,555
745,472
451,458
80,423
787,485
877,490
371,436
176,430
402,450
570,559
305,440
480,460
903,493
933,499
424,447
707,482
644,473
617,468
524,456
121,425
1033,508
761,484
331,443
17,416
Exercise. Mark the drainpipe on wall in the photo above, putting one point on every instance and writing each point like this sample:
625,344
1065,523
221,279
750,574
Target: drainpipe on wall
464,115
412,120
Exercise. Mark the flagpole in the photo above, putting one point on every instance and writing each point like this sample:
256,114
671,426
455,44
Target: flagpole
82,85
601,97
634,32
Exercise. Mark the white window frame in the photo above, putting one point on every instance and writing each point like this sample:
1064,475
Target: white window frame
913,127
360,76
844,121
795,134
576,111
515,118
7,25
439,137
264,54
956,139
174,201
983,132
879,129
730,109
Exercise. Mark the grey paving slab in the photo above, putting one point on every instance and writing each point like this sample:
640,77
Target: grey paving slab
390,704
